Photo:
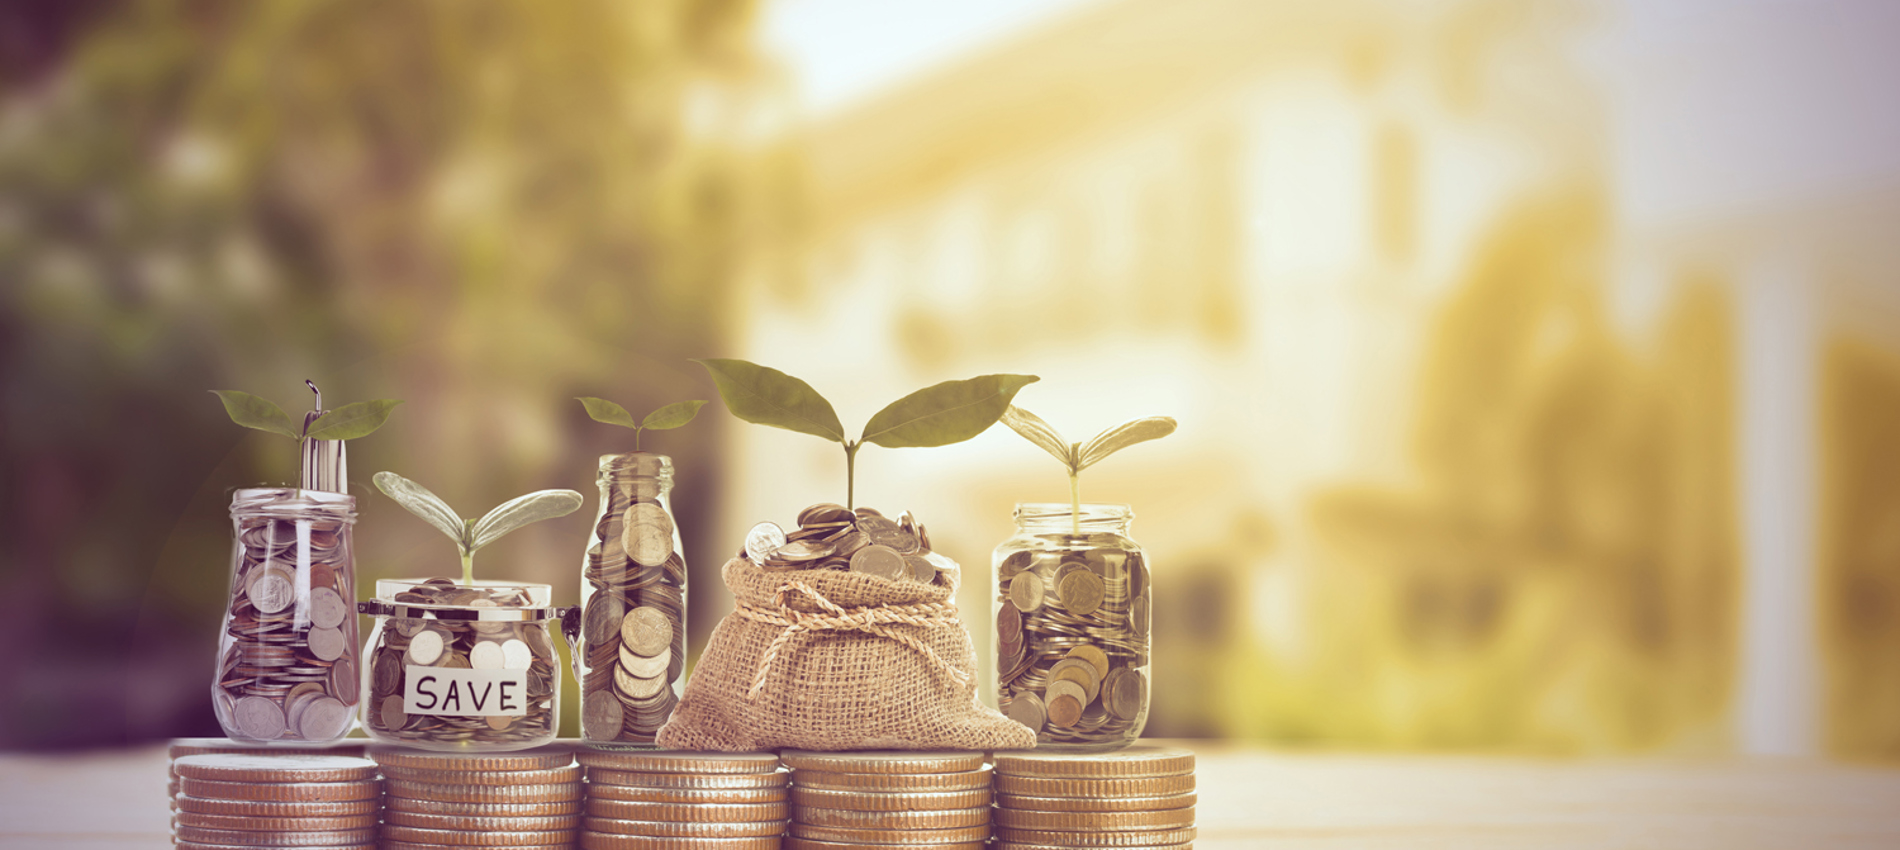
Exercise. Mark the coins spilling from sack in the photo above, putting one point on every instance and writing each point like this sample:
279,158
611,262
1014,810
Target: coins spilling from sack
1072,642
445,641
277,800
837,538
525,799
673,798
181,747
1138,797
849,799
287,670
633,597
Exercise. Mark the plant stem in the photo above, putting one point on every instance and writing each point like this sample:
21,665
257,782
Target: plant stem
1075,503
850,475
468,569
636,438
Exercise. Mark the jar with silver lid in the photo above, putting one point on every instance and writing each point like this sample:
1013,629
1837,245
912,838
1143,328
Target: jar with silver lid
287,670
1072,601
452,666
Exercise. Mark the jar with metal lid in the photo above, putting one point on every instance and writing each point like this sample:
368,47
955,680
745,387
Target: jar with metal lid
1072,602
287,670
632,630
453,666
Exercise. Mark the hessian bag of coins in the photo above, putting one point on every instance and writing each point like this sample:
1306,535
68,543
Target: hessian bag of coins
837,660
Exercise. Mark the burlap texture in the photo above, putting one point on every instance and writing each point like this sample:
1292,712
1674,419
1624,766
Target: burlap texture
832,688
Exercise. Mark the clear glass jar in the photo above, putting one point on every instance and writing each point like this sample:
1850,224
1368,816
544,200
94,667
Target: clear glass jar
287,667
461,667
633,605
1071,610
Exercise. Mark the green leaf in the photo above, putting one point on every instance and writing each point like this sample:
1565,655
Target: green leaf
606,411
950,412
419,501
353,420
1035,430
261,413
517,512
765,396
672,416
1122,436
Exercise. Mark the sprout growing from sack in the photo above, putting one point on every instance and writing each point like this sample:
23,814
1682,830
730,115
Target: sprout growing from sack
472,534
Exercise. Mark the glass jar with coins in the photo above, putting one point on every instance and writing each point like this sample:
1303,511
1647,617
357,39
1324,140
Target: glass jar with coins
633,605
452,666
1071,593
287,668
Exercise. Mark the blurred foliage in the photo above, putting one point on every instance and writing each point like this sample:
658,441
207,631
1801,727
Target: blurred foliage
483,208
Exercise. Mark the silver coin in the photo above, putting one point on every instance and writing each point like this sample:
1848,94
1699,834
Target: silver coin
762,541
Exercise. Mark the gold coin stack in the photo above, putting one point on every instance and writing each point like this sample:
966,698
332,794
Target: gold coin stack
181,747
633,598
847,800
231,800
527,800
1138,797
677,800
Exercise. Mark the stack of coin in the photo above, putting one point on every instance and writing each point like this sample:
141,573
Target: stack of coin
287,663
677,799
633,597
835,537
1138,797
527,800
1072,643
842,801
461,643
181,747
228,800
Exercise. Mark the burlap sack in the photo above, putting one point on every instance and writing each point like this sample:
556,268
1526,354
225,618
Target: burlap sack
836,660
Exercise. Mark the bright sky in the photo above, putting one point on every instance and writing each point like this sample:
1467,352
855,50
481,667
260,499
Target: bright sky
842,51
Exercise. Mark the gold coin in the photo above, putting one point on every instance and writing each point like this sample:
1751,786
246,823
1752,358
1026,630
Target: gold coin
678,761
485,823
694,796
689,812
1025,592
1080,672
367,820
857,819
591,840
892,782
485,793
603,776
1095,804
1065,710
1094,656
203,746
181,844
459,838
647,631
880,561
276,809
793,842
241,838
1091,821
386,844
283,792
685,829
519,810
1131,762
545,776
882,761
1046,786
891,836
1081,592
527,759
1017,845
648,537
286,767
1053,838
872,801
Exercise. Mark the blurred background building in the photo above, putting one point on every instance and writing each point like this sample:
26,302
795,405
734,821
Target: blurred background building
1534,360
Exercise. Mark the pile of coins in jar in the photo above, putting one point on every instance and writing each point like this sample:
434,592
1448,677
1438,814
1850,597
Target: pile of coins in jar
467,644
835,537
633,598
1072,643
287,670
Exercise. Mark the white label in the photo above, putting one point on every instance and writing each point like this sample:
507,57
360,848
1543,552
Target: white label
456,692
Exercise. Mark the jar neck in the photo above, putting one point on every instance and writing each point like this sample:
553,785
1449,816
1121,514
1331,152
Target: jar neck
1060,518
293,504
637,466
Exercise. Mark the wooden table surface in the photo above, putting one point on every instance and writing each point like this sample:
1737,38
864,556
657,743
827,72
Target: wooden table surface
1248,798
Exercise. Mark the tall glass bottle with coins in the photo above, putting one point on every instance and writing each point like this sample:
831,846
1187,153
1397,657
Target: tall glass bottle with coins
1072,602
633,605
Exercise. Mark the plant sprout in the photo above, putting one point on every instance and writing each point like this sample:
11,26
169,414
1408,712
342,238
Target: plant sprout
665,419
472,534
1079,456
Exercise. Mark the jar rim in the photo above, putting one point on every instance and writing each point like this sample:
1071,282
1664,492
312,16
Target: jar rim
266,501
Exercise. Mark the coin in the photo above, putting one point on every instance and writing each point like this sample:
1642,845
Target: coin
604,776
1125,693
1081,592
891,836
685,829
1131,762
1025,591
324,719
647,631
591,840
271,591
484,793
321,792
327,608
465,838
425,648
1094,821
541,758
689,812
243,838
538,776
484,823
258,718
873,801
693,796
680,761
892,782
882,761
1065,710
793,842
1092,789
486,655
907,820
277,824
1053,838
285,767
1088,803
1094,656
762,540
649,534
880,561
1027,708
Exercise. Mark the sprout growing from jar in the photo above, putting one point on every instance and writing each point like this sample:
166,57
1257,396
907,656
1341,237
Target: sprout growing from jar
1079,456
472,534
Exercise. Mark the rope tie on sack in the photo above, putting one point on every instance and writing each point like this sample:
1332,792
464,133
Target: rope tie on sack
879,620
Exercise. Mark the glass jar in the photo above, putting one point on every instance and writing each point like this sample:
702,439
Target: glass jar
287,667
461,667
1071,610
633,605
